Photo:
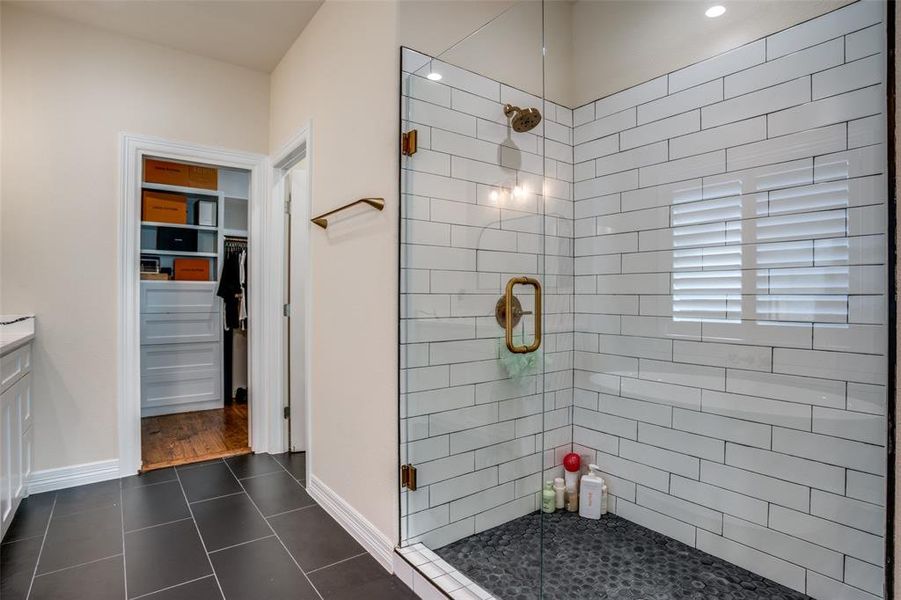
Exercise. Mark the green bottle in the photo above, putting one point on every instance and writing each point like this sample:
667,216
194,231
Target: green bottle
548,497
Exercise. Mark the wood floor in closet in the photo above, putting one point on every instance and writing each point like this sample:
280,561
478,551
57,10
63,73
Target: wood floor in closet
183,438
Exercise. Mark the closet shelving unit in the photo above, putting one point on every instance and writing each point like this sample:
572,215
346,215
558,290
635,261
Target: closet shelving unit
181,328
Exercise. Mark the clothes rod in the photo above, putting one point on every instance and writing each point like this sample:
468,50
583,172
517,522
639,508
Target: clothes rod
376,203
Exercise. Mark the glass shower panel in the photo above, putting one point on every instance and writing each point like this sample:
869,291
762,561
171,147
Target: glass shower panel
475,279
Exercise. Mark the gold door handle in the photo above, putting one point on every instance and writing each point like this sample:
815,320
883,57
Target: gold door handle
509,312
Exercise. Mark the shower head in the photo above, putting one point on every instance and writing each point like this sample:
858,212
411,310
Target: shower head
522,119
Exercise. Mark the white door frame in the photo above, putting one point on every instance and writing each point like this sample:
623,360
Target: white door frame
301,308
264,293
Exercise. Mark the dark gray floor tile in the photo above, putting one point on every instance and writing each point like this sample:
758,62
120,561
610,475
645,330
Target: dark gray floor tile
163,556
277,492
209,481
31,517
154,504
149,478
229,520
361,577
248,465
294,462
314,538
82,537
101,580
202,589
17,561
86,497
260,570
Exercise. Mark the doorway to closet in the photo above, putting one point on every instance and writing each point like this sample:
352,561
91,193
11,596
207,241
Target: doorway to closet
193,312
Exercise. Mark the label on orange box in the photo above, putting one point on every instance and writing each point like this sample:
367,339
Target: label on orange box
173,173
192,269
164,208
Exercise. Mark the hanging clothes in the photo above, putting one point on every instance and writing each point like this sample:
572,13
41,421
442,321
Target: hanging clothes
233,286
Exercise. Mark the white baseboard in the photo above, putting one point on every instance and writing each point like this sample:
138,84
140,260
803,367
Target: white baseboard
49,480
373,540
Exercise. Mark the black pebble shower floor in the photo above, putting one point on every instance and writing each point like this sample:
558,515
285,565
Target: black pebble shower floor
610,559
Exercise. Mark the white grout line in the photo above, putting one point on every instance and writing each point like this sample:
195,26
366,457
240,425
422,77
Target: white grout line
156,525
41,551
216,497
338,562
88,562
197,529
275,533
173,586
285,512
265,537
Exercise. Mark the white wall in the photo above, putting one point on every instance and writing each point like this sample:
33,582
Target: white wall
341,74
68,91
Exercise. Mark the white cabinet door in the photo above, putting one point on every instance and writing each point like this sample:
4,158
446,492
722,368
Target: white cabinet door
13,483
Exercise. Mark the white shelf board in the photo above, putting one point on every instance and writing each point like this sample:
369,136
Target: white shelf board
235,232
175,253
178,225
161,187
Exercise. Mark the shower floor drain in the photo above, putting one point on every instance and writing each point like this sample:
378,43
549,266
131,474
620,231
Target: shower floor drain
608,559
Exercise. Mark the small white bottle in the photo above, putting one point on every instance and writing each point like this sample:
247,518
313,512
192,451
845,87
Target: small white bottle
604,499
592,494
559,489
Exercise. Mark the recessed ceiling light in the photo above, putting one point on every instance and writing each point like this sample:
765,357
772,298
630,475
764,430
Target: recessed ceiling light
434,76
715,11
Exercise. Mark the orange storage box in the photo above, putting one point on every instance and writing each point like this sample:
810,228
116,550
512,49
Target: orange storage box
173,173
192,269
164,208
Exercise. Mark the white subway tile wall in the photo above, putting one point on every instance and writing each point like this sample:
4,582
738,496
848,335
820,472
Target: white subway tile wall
712,245
752,307
481,204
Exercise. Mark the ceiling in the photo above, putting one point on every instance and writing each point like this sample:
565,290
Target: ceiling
250,33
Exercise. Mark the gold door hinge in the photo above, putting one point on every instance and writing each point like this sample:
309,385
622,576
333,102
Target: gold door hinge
408,143
408,477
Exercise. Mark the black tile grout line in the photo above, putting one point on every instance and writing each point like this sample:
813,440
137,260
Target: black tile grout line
265,537
41,551
173,586
338,562
199,535
124,531
275,533
122,521
88,562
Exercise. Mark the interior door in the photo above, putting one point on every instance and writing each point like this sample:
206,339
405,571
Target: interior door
298,279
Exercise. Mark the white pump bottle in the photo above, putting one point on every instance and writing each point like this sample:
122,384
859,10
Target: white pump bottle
591,496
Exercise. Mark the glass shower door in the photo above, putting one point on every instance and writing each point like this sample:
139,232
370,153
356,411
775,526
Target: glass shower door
474,296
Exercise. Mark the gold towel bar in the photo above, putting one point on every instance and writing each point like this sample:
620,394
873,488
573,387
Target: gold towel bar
376,203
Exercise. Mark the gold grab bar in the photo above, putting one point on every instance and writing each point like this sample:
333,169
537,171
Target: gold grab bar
508,321
376,203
